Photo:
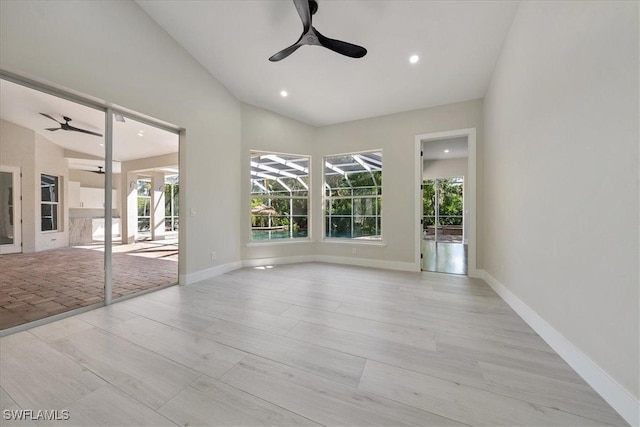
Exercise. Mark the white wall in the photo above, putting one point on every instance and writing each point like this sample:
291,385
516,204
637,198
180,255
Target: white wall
561,175
264,130
444,168
395,135
113,51
36,155
17,148
90,179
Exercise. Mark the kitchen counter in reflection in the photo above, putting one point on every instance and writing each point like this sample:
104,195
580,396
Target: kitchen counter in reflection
87,230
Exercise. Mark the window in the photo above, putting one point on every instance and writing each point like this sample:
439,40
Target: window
49,202
353,196
279,196
144,204
171,208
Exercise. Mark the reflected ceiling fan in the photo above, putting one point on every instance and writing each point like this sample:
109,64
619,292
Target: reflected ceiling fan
67,126
100,171
311,36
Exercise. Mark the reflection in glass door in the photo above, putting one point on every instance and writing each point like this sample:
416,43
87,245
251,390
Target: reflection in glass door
145,214
10,230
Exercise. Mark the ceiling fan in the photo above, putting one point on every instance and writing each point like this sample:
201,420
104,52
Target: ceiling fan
99,171
67,126
311,36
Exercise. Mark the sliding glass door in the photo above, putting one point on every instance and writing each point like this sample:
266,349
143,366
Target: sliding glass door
70,231
443,209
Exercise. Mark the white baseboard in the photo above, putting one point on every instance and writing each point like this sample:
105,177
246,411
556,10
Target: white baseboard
367,262
617,396
258,262
200,275
188,279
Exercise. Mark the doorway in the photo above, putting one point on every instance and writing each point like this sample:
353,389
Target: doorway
10,216
446,202
444,250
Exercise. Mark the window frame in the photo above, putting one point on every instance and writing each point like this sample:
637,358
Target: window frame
328,198
258,172
56,205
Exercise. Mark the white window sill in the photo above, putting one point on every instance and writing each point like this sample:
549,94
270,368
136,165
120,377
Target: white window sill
278,242
362,242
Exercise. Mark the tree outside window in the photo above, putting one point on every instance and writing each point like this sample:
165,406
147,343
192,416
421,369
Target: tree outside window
279,196
353,196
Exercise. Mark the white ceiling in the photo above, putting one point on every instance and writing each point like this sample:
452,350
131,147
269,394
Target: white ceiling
458,43
435,150
22,105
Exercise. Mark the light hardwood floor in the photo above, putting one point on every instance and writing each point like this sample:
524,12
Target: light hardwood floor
306,344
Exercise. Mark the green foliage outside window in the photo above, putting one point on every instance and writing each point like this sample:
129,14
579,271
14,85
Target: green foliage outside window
353,199
450,201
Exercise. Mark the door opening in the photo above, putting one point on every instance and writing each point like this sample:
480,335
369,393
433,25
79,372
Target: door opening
444,249
10,213
445,229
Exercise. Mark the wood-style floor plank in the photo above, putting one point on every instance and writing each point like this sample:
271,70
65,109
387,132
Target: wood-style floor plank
461,370
200,305
60,329
37,376
301,344
7,404
109,406
335,365
205,356
143,374
568,396
324,401
415,336
465,404
208,400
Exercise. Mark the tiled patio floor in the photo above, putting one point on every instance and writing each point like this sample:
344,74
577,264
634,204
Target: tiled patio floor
38,285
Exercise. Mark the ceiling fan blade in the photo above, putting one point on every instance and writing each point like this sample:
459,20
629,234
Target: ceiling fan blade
286,52
75,129
53,129
49,117
302,6
344,48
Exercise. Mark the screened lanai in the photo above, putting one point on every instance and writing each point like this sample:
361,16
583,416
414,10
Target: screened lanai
280,195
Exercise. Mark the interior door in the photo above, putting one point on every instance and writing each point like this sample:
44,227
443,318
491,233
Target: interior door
10,213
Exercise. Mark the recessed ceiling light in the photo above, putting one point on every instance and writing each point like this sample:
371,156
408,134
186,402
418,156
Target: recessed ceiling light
414,58
140,133
446,151
284,93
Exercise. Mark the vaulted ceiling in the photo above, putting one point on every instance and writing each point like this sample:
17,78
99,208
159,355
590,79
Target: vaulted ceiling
458,43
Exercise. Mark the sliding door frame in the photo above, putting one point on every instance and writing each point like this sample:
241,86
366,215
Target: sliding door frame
110,111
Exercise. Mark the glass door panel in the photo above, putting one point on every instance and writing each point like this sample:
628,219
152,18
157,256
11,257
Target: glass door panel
443,226
450,209
145,214
51,210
